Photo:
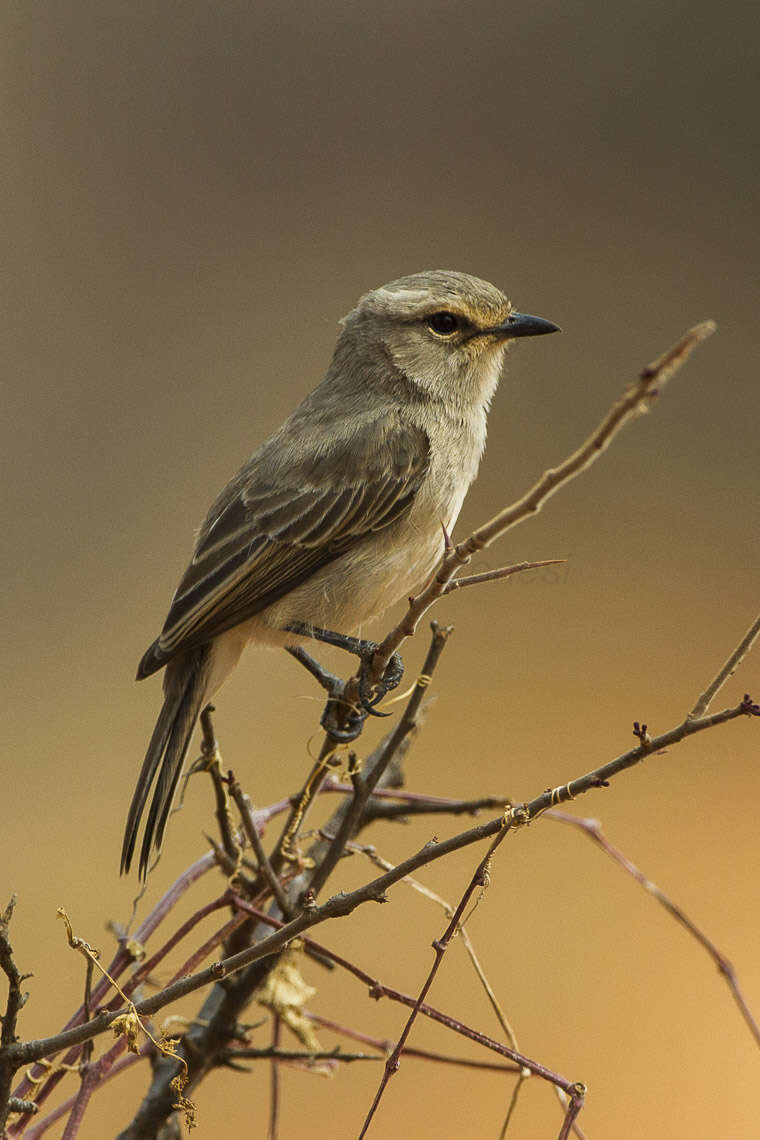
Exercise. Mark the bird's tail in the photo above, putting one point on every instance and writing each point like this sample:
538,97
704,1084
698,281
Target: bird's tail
185,685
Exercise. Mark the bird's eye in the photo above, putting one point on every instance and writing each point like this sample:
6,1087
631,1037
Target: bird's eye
442,324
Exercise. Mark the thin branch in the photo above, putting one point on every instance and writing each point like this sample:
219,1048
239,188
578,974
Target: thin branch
277,1054
89,1083
727,670
40,1127
512,1106
440,946
13,1005
593,829
600,777
211,762
386,1046
249,826
149,965
283,853
497,575
422,800
274,1075
576,1104
463,934
401,806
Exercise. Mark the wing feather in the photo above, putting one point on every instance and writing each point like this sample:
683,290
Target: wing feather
272,529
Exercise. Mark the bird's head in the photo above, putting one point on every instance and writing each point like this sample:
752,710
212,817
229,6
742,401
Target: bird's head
445,331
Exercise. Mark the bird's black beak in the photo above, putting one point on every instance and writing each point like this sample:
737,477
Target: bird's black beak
520,324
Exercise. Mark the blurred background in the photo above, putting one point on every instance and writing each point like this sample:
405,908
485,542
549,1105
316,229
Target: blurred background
194,194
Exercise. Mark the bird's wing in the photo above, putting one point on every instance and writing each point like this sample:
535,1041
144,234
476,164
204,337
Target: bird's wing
272,528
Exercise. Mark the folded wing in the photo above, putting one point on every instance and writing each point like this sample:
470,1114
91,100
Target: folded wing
275,526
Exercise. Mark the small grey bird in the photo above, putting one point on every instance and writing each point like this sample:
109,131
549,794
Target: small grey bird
342,511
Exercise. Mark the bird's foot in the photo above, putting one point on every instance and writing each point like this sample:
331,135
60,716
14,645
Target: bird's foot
342,721
369,694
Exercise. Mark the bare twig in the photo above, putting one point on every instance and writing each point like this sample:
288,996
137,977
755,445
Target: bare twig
512,1106
577,1097
88,1073
420,802
249,826
593,829
13,1006
726,670
284,852
440,945
448,910
211,762
276,1054
497,575
78,1109
386,1046
149,965
274,1076
478,968
402,805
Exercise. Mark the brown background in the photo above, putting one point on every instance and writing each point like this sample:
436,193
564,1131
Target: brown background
197,192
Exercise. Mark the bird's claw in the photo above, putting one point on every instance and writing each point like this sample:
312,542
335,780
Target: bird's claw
371,695
352,726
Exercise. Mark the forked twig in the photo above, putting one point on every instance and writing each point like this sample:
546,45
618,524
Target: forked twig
726,670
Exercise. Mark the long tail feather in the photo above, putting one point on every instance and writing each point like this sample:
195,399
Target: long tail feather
184,696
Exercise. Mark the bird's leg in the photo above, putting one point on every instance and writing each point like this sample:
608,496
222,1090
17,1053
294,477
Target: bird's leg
330,682
365,651
334,688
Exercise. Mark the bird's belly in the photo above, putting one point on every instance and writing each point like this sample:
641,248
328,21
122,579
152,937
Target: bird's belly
357,587
385,567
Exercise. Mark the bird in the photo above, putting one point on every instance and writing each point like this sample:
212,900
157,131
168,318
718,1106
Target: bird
343,511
